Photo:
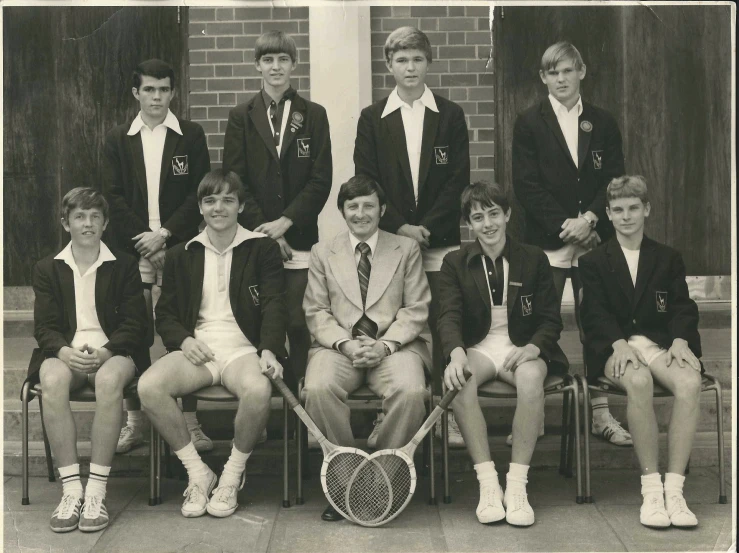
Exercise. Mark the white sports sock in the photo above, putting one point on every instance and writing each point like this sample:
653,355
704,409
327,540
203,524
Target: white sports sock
193,463
234,468
191,419
674,482
517,476
135,418
486,472
70,477
599,408
98,481
651,483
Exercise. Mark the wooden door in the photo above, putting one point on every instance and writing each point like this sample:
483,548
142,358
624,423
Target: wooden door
664,72
67,75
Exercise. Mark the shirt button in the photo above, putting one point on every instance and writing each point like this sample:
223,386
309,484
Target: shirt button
634,321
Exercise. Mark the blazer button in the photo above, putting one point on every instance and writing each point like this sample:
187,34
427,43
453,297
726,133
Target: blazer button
634,321
280,197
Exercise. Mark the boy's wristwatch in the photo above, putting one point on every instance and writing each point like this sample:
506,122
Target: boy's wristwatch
589,219
164,233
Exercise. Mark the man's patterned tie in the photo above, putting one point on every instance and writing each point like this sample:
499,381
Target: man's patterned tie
365,326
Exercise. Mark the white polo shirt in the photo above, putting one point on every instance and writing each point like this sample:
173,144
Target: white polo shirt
152,141
568,122
88,329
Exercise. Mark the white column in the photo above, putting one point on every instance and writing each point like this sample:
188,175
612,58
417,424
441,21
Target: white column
341,81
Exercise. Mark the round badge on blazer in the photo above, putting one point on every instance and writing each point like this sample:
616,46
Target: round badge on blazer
586,126
297,117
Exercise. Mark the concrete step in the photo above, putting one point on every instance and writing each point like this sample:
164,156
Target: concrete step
217,418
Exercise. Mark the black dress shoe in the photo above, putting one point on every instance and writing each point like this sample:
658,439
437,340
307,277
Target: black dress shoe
331,515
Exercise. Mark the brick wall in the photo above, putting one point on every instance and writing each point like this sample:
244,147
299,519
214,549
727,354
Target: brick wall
461,45
222,73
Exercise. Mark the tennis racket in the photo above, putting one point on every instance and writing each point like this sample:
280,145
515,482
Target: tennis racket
339,463
383,484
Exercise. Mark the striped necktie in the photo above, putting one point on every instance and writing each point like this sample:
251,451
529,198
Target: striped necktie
364,326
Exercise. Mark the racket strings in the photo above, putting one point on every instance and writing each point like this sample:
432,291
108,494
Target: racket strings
380,489
338,472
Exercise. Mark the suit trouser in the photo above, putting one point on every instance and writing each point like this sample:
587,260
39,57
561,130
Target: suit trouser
438,364
296,280
399,380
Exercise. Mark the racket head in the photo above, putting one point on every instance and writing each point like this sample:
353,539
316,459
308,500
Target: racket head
337,468
381,487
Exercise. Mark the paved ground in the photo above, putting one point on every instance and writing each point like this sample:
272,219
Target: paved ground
262,525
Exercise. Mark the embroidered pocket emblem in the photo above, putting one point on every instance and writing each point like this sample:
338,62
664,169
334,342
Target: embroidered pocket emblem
441,153
254,291
661,298
527,307
179,165
303,147
597,159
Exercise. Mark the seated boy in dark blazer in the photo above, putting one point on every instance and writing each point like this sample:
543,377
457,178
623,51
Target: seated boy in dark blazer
499,317
90,325
641,325
222,315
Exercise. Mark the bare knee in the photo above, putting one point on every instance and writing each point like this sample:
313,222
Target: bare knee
255,391
150,389
688,385
109,386
55,378
640,385
530,382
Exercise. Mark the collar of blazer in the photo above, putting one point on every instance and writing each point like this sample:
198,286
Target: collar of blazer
137,150
103,277
516,260
394,127
257,111
385,261
618,266
583,137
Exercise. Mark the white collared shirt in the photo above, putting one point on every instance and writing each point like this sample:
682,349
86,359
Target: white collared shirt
632,260
88,329
371,242
413,117
568,122
215,304
152,141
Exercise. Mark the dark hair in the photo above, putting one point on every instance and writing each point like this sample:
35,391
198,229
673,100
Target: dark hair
155,68
407,38
558,52
275,42
628,186
219,181
359,185
485,194
83,197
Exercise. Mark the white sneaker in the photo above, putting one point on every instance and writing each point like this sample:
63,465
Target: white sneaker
196,495
224,503
66,517
200,440
509,439
653,512
612,431
94,514
372,440
490,508
518,510
456,440
678,510
130,437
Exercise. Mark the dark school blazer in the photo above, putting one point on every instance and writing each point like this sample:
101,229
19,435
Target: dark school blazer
533,304
296,183
381,152
658,307
185,161
119,303
256,291
545,179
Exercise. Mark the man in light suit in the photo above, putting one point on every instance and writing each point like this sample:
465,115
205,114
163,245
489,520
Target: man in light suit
366,304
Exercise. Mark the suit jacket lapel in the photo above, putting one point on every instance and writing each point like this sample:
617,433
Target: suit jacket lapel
66,283
430,127
551,120
238,265
197,271
620,268
385,261
644,270
474,264
296,105
258,116
583,138
515,272
102,286
394,126
344,269
170,145
137,154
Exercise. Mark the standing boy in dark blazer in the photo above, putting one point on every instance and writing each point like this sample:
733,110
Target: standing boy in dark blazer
565,152
499,317
152,168
641,326
415,144
90,325
280,146
222,311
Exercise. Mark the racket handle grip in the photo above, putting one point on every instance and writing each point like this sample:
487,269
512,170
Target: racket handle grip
284,390
451,394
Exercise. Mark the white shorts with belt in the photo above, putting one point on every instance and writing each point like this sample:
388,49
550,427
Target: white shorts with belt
227,343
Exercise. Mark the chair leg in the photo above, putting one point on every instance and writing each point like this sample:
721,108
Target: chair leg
302,454
572,399
576,430
24,442
445,455
167,461
425,464
586,434
152,467
285,455
564,446
432,469
720,424
47,447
